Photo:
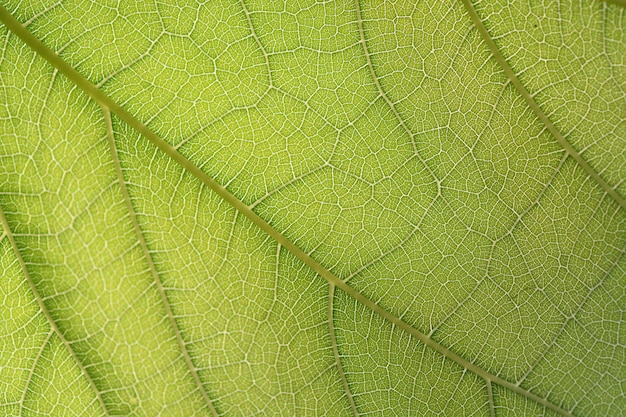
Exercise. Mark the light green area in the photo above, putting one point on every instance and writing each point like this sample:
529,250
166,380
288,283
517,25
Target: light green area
524,286
253,317
57,387
23,329
73,230
382,139
588,375
257,150
572,61
510,404
392,375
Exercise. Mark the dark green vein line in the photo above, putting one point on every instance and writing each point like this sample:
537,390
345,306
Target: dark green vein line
383,94
153,270
492,407
106,102
333,341
31,372
258,42
46,312
616,2
536,109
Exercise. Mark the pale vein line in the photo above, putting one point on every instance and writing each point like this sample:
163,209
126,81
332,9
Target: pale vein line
382,94
42,12
44,309
393,249
571,317
32,370
258,41
287,184
228,243
509,233
590,334
470,295
106,102
270,309
333,341
537,200
129,64
530,101
148,256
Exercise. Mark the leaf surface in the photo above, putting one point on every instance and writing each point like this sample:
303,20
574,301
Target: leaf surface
334,208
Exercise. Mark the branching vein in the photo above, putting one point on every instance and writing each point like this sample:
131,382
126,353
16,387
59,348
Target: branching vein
44,309
155,275
333,340
530,101
109,105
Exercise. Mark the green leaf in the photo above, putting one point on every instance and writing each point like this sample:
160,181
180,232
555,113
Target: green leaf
327,208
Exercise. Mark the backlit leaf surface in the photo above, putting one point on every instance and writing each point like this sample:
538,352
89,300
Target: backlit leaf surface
423,209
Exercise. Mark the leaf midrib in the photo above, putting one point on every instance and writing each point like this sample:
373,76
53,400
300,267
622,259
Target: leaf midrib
109,105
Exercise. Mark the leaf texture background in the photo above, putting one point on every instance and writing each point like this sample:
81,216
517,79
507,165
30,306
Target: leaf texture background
423,209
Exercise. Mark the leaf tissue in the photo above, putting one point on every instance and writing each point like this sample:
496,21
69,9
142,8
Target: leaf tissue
312,208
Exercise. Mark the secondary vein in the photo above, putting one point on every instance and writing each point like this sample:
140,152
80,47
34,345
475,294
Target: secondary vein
333,341
42,306
106,102
155,274
541,115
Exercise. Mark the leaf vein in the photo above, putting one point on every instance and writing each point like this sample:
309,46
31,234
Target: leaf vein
42,306
107,103
155,275
32,370
333,340
387,100
534,106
